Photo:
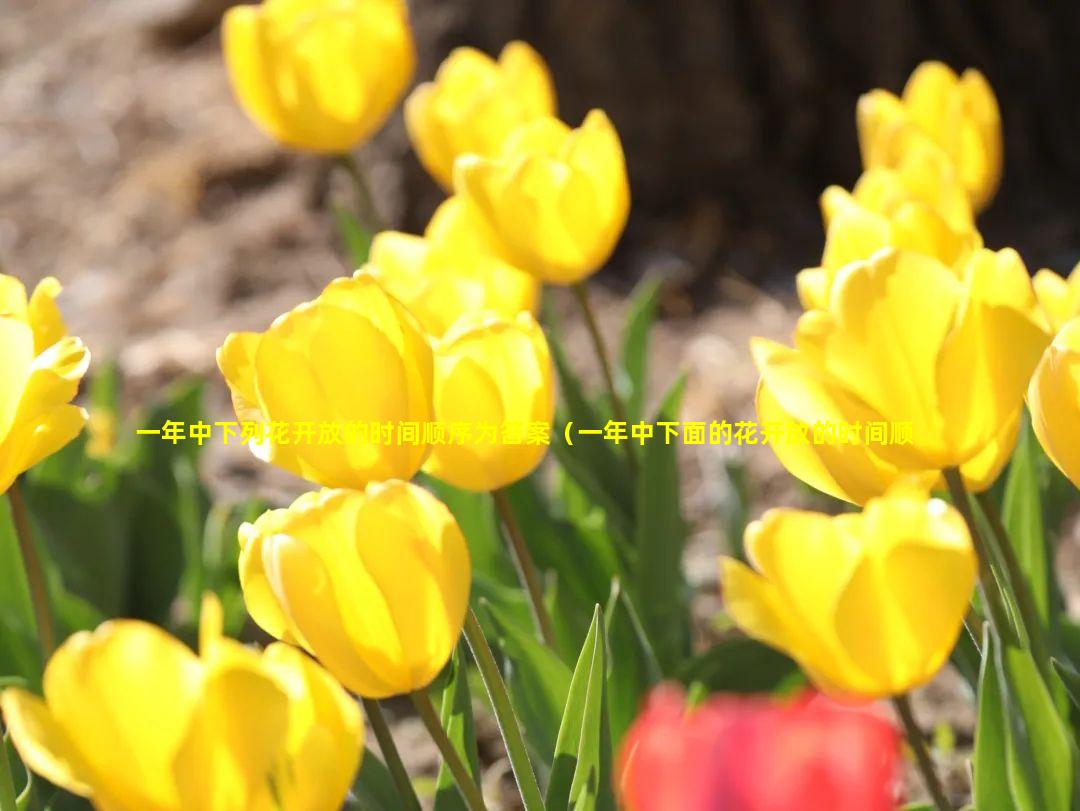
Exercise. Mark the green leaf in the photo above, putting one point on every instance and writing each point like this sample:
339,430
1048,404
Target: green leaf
1070,678
632,665
19,655
660,589
635,347
738,664
1022,516
581,765
373,789
537,679
989,765
356,238
457,719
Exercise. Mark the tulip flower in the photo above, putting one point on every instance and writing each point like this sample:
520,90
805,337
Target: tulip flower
918,206
1054,399
373,583
741,753
904,341
497,372
1058,297
354,354
42,367
451,271
557,198
957,114
133,720
321,75
869,604
474,104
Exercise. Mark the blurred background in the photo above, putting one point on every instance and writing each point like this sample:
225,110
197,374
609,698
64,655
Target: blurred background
128,172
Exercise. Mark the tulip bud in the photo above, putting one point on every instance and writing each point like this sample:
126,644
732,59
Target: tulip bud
1059,298
918,206
374,583
474,104
132,720
321,75
868,604
42,367
905,342
757,754
956,114
353,355
1054,399
451,271
496,372
557,198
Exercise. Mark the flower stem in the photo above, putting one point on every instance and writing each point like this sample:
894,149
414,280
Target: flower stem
35,576
922,755
581,293
531,797
526,566
474,799
391,754
988,584
1021,589
367,213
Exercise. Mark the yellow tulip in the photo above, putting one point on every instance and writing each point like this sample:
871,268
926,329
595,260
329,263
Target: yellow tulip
1058,297
451,271
498,372
905,341
474,104
373,583
917,206
558,198
135,721
1054,399
320,75
354,354
957,114
41,369
869,604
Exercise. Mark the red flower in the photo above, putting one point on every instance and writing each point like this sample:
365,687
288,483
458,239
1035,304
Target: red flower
755,754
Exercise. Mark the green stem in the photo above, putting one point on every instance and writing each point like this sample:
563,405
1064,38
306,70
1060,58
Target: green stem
526,566
470,792
1021,589
8,800
531,797
988,584
581,294
922,755
391,754
367,213
35,576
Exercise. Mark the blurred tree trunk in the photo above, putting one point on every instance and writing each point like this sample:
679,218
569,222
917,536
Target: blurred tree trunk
735,114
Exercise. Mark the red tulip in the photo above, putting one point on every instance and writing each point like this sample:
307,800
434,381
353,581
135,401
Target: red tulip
756,754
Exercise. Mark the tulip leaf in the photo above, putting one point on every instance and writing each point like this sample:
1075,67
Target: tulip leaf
1070,678
738,664
660,588
581,765
373,789
537,679
1022,515
635,347
1019,728
457,719
19,654
632,665
356,238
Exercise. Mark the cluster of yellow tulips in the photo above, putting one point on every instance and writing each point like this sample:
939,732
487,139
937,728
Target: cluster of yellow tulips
367,583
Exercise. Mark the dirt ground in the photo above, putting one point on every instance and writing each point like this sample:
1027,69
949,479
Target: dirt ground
127,171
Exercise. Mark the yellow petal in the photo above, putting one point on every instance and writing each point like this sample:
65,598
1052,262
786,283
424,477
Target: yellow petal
41,743
44,316
1054,399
